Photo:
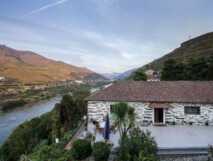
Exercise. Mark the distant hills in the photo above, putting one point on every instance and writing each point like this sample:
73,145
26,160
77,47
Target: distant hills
30,67
119,76
111,76
198,47
201,46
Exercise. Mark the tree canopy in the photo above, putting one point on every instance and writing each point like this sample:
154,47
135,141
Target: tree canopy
124,117
194,69
139,75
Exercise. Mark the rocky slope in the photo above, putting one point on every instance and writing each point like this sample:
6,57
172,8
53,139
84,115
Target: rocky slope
29,67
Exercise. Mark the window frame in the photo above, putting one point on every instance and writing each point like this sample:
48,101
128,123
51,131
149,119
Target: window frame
191,112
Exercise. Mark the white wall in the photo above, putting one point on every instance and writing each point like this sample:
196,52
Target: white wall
174,115
177,115
98,109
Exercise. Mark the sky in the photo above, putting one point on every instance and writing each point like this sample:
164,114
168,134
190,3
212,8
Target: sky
105,36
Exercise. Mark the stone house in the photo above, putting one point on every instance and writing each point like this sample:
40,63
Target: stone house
152,75
158,103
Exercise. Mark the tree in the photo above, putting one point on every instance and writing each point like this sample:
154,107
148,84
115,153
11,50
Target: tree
196,69
210,69
71,110
179,71
137,146
124,117
24,158
139,75
173,70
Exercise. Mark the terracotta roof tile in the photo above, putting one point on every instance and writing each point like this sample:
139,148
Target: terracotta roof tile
161,91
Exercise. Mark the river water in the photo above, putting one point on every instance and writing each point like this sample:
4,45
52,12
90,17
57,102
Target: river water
10,120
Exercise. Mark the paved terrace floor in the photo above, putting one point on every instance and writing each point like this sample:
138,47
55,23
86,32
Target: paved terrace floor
182,136
173,136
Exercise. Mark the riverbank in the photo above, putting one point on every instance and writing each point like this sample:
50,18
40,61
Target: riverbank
11,119
10,104
30,97
36,137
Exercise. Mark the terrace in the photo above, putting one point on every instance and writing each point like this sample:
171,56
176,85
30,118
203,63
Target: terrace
170,139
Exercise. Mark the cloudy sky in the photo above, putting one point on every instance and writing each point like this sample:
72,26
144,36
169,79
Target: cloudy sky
103,35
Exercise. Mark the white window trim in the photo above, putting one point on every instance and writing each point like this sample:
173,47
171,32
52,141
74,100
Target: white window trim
153,116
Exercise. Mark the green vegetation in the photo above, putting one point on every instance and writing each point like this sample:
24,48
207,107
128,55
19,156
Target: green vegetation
12,104
60,123
197,48
35,140
210,153
81,149
53,152
124,117
137,146
139,75
101,151
25,137
194,69
35,95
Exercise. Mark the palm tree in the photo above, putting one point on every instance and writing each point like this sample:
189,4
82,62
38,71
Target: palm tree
123,116
24,158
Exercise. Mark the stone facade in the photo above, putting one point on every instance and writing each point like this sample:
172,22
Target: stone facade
176,115
144,114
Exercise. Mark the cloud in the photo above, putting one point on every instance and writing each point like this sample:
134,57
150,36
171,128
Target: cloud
45,7
108,35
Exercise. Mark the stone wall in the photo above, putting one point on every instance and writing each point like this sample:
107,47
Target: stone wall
144,114
98,109
176,115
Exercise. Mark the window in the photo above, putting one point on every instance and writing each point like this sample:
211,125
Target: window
111,108
192,110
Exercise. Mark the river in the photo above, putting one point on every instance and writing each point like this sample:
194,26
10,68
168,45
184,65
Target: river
11,119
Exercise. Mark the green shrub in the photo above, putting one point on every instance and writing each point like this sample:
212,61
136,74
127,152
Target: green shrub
81,149
50,153
12,104
25,137
138,145
101,151
139,75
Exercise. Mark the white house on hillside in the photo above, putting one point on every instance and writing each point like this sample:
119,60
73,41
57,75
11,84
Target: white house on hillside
158,103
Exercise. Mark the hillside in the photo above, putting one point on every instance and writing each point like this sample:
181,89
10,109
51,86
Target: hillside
30,67
201,46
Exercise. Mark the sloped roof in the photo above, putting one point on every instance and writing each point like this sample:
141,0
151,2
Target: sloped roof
161,91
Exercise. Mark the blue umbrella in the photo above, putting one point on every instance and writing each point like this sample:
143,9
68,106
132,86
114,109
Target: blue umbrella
107,128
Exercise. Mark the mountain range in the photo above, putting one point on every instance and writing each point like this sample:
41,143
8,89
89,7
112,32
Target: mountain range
119,76
30,67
